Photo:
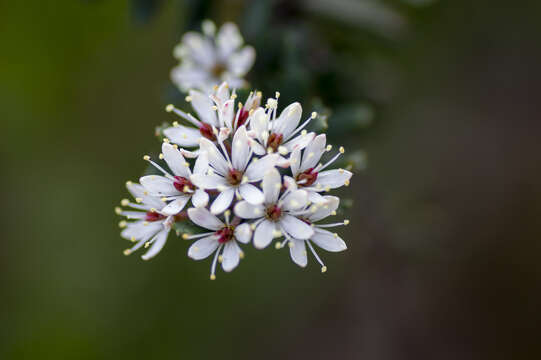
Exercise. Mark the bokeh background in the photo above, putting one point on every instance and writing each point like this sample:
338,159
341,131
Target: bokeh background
444,241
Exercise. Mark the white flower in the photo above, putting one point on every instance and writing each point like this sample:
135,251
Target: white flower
177,189
276,216
321,237
151,225
224,236
233,176
208,59
273,134
312,176
214,112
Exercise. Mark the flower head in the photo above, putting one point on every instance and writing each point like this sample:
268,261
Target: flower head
212,57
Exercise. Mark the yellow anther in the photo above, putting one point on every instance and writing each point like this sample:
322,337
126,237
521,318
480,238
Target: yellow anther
278,245
304,132
290,244
122,224
276,233
146,158
335,235
127,252
323,269
282,150
294,203
128,183
233,96
277,94
138,200
175,146
346,182
278,185
169,108
125,202
239,105
329,147
250,112
163,199
227,213
166,140
186,188
132,239
241,255
220,259
186,164
161,156
147,244
314,115
341,171
152,209
341,150
259,94
333,212
214,107
346,222
252,226
270,150
244,179
186,237
188,98
212,277
175,124
327,188
145,223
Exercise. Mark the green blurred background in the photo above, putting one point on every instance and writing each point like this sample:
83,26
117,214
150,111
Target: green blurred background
443,259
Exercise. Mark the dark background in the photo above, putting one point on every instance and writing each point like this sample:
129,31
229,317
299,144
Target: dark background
444,240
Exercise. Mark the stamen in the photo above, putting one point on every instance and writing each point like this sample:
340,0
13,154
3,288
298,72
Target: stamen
323,267
188,117
213,267
321,167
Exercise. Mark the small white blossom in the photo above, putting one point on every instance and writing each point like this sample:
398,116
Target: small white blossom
276,216
321,237
176,189
151,226
210,58
223,238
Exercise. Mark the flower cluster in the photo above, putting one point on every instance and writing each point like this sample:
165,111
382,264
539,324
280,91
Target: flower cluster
238,173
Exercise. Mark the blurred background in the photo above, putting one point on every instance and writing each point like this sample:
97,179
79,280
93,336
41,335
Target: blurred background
444,240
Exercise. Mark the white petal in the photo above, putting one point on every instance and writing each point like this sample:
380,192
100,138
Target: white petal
313,152
157,244
183,135
159,185
264,233
299,142
246,210
327,241
260,125
202,105
200,198
243,233
228,112
198,48
257,148
315,197
190,154
175,206
241,61
188,77
141,232
201,164
288,120
324,209
222,93
240,150
295,200
208,181
228,39
203,218
298,229
202,248
271,185
138,191
231,256
222,201
257,169
295,161
216,159
298,252
251,194
175,161
332,178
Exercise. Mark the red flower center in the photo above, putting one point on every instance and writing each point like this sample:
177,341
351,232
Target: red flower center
206,131
274,212
183,185
243,116
234,177
275,140
225,234
153,216
309,177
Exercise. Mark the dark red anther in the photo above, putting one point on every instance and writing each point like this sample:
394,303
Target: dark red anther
275,140
309,177
182,184
153,216
243,116
234,177
225,234
274,212
206,131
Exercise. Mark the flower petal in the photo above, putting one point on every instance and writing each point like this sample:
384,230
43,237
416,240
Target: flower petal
251,194
203,218
200,198
298,229
295,200
230,256
315,197
299,142
260,125
246,210
228,39
242,61
227,113
157,244
202,105
222,201
264,233
141,230
313,152
240,152
271,185
295,162
208,181
139,191
202,248
183,135
201,164
159,185
175,206
288,120
328,241
332,178
298,252
243,233
324,209
175,161
257,169
216,159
